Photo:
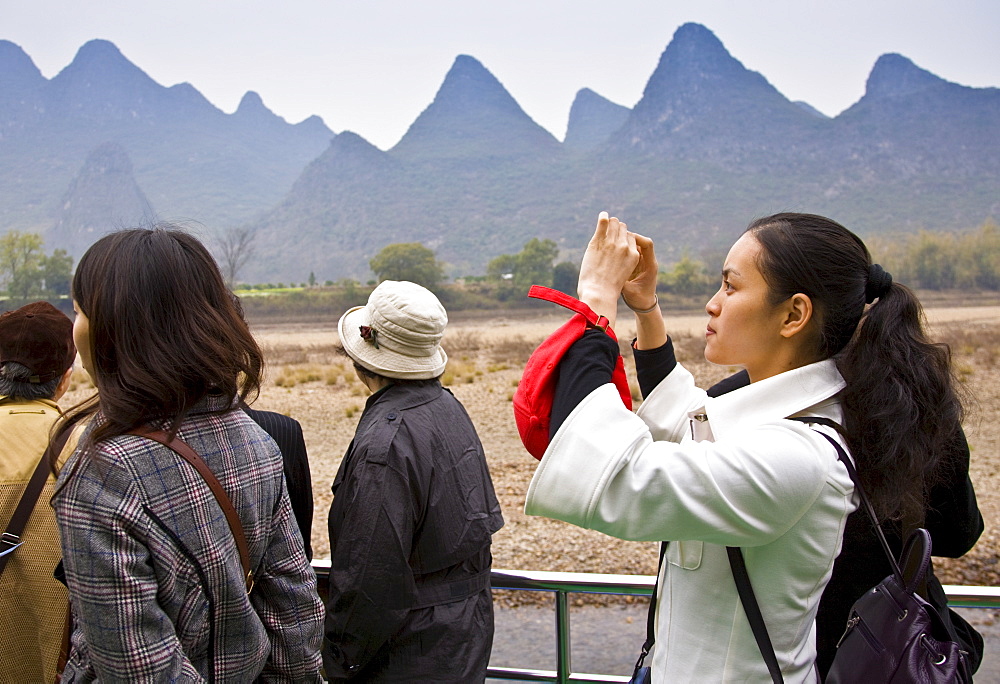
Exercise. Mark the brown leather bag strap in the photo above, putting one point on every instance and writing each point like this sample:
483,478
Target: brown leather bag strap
64,649
182,449
11,537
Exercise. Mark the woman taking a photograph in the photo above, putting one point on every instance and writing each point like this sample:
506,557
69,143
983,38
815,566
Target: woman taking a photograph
711,472
157,589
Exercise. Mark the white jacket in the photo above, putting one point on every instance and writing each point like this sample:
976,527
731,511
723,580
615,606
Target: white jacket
707,473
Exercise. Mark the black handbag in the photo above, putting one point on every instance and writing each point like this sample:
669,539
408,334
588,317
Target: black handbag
895,635
641,675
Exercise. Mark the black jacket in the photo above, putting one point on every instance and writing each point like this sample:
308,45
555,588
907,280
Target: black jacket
287,433
410,532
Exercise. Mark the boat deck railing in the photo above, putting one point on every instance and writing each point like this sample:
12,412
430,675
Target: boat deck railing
562,584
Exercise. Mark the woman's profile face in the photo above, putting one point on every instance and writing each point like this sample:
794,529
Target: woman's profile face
81,338
743,325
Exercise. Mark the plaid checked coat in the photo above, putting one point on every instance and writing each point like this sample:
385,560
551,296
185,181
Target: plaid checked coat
153,571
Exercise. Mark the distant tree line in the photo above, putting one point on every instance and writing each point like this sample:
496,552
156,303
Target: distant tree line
507,276
924,260
942,261
513,274
27,273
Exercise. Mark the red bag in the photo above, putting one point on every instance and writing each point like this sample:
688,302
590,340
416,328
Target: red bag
533,396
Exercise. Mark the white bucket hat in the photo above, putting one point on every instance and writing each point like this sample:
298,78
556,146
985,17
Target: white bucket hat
398,333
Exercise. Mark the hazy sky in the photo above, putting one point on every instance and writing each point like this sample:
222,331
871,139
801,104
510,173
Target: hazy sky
371,66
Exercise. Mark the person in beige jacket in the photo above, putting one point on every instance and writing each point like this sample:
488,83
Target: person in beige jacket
36,360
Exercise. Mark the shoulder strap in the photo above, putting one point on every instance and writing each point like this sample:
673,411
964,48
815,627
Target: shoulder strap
816,420
11,538
865,501
742,578
651,614
752,610
182,449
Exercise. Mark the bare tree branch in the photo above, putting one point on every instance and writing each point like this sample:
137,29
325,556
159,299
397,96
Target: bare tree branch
236,248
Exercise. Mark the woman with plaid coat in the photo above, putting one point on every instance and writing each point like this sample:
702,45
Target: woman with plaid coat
156,585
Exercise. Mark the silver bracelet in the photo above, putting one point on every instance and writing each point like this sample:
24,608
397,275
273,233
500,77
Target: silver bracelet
656,304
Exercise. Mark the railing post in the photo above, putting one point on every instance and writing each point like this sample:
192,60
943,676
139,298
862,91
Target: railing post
563,665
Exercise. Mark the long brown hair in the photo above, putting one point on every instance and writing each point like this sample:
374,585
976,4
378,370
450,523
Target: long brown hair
901,406
164,331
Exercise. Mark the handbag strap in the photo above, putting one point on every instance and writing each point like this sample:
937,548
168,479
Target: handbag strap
752,610
182,449
865,501
651,614
736,561
738,565
66,644
11,538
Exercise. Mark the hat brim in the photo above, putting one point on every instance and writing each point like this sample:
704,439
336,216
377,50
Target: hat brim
385,362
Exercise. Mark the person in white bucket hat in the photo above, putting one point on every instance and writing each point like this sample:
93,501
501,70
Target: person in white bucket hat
414,509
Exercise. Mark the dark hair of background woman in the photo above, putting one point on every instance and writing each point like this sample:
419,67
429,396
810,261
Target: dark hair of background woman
900,403
164,330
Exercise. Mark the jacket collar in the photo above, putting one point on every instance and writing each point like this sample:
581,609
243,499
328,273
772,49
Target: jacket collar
6,399
208,404
214,403
774,398
405,396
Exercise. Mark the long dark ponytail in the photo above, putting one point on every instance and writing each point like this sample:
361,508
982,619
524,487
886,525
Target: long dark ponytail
900,404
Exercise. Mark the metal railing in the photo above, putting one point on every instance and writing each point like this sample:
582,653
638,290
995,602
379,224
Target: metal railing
564,583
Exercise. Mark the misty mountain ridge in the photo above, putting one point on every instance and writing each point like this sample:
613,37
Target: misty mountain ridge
592,120
19,73
896,76
701,103
192,160
709,145
478,118
103,197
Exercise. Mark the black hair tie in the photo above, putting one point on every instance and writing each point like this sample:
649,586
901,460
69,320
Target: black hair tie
879,282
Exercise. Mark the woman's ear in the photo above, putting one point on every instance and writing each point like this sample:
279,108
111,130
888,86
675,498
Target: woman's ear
798,313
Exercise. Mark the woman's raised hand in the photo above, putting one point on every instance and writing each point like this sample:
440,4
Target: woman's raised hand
610,261
639,291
